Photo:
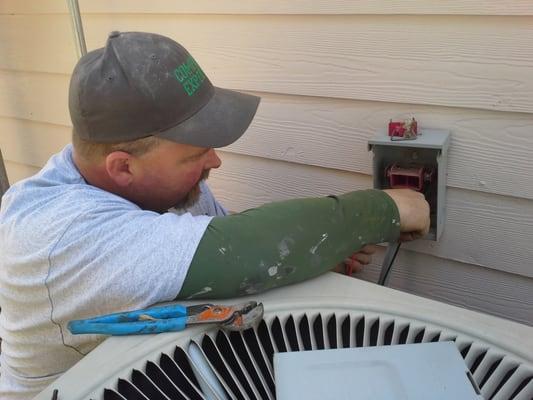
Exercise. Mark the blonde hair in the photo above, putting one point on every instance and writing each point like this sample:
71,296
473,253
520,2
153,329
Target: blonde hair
93,151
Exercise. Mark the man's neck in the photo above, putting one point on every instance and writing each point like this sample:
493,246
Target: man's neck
95,174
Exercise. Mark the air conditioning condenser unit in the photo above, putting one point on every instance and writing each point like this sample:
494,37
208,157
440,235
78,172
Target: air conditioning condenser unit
331,311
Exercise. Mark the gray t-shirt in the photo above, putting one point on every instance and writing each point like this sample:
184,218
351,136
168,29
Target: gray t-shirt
69,250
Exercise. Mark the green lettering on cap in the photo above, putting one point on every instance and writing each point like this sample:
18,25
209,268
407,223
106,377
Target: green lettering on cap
190,75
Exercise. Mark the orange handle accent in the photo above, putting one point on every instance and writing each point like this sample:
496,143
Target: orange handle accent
214,314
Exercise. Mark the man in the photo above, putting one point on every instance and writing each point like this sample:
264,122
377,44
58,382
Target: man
90,234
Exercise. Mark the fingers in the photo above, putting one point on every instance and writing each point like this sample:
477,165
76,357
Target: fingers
358,260
414,235
362,258
368,249
353,265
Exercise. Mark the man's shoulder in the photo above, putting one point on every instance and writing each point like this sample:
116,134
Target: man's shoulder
39,209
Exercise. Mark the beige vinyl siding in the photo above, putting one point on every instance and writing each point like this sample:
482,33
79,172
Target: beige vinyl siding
322,7
17,171
441,60
331,74
499,293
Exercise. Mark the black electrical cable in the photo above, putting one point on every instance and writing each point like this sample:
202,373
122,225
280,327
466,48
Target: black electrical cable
390,256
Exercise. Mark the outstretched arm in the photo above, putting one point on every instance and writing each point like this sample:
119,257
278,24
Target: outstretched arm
286,242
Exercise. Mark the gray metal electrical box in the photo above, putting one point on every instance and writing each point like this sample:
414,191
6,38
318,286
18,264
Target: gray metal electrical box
419,164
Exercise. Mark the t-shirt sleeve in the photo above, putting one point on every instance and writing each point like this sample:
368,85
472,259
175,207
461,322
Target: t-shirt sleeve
117,260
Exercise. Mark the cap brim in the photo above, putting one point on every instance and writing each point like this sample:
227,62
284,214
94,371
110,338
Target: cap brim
223,120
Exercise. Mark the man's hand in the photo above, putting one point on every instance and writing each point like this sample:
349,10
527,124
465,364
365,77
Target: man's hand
414,213
414,224
357,260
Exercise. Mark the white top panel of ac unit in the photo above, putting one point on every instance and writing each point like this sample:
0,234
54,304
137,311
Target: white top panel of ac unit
331,292
412,371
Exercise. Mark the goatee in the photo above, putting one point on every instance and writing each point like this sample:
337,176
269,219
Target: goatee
194,194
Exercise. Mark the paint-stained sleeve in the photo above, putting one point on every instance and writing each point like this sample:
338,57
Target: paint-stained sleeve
287,242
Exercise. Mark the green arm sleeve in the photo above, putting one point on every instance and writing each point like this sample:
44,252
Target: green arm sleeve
287,242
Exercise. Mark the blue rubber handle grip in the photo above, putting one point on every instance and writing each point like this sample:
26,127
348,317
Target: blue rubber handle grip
127,328
170,318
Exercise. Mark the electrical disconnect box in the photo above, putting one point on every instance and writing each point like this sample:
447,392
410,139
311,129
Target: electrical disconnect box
414,159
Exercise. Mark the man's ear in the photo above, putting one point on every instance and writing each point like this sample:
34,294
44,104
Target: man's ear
118,167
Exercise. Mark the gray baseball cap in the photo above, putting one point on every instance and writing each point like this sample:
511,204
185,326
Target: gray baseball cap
143,84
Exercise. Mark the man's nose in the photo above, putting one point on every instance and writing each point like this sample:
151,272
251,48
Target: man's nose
212,160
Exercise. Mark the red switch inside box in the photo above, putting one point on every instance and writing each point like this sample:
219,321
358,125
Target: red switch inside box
413,177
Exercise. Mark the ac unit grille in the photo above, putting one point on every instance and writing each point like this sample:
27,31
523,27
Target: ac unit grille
241,363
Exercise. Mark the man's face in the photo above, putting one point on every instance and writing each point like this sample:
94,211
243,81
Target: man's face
168,175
